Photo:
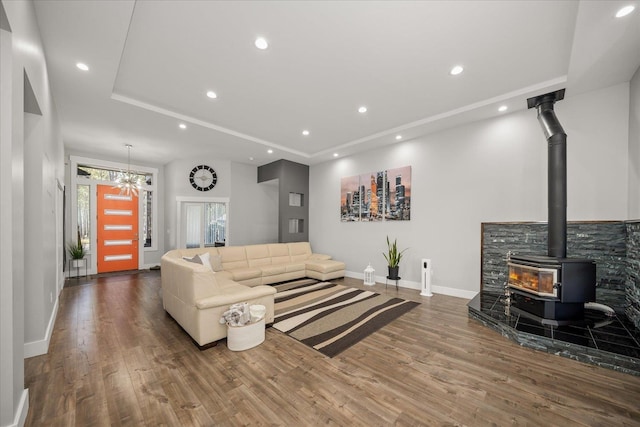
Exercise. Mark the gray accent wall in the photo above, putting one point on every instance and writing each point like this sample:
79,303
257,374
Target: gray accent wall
292,178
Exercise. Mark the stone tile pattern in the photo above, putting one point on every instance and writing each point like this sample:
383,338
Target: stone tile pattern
604,242
594,356
633,272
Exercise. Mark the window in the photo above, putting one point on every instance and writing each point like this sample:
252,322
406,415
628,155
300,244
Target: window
84,217
110,175
147,224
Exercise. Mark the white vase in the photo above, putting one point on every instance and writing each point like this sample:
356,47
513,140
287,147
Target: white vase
77,263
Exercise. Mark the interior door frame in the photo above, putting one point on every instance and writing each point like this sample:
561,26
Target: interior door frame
75,180
180,200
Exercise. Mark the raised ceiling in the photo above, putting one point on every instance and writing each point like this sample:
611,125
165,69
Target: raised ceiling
152,62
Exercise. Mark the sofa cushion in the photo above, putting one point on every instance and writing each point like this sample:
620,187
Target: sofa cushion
279,253
294,267
258,255
216,263
272,270
299,251
247,273
196,259
203,259
233,257
325,266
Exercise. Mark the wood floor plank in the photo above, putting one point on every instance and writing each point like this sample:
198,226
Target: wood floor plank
116,358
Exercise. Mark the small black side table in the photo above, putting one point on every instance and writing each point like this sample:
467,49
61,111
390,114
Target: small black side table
392,278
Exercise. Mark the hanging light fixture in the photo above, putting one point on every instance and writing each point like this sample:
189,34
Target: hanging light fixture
128,183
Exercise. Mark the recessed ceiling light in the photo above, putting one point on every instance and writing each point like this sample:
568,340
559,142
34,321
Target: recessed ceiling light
398,137
211,94
270,151
251,158
456,70
182,126
362,109
82,66
503,108
261,43
625,11
305,132
335,154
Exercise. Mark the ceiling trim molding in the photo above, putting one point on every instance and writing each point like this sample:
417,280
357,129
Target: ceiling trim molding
524,92
154,108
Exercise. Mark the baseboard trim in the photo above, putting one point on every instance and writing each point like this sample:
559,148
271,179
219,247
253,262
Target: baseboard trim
37,348
443,290
23,409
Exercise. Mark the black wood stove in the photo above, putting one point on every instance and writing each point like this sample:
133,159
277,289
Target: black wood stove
553,288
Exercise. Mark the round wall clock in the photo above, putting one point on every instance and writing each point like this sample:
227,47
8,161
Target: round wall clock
203,178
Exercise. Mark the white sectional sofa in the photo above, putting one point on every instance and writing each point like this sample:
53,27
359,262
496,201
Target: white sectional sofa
196,296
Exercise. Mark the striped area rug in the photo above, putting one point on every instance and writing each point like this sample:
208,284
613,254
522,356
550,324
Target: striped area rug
330,317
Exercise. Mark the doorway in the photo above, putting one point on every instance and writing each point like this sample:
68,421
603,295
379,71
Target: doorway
202,223
122,246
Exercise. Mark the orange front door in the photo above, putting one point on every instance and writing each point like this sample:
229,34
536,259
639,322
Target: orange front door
117,230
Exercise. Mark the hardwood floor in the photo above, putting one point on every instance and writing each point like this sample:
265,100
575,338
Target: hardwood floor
116,358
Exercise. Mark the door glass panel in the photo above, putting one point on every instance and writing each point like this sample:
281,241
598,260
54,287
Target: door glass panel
84,217
193,221
147,213
215,224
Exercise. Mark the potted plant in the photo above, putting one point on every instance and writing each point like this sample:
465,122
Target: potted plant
393,257
77,253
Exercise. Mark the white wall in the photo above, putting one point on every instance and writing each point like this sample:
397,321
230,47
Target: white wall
251,215
253,210
176,183
494,170
31,247
634,147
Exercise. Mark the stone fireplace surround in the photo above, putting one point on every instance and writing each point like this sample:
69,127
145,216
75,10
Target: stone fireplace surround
614,245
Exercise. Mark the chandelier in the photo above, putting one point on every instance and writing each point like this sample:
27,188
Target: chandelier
128,183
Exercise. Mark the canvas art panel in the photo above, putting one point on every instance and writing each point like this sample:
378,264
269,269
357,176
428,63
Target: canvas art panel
399,182
350,199
376,196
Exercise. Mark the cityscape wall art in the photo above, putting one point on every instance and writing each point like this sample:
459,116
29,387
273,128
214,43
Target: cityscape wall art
376,196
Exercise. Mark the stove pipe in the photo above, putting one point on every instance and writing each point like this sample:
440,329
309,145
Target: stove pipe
556,173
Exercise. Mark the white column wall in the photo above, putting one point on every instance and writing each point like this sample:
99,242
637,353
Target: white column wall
30,197
634,147
253,210
493,170
11,318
